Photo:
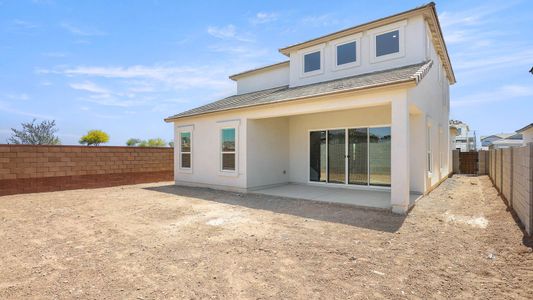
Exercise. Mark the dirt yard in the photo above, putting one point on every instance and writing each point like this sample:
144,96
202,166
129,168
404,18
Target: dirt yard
160,241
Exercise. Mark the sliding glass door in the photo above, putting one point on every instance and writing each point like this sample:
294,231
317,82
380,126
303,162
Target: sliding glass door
317,156
379,147
356,156
337,156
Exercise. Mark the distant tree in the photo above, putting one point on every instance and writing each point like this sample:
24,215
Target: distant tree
133,142
157,142
94,137
35,134
171,144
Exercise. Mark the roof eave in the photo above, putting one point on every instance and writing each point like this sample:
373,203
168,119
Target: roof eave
406,83
240,75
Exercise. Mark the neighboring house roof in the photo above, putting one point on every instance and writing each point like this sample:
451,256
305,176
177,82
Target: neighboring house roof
507,142
412,73
499,135
260,69
525,127
430,14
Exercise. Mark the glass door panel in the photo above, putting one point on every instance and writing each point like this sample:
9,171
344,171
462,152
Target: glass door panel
317,156
337,156
358,156
379,156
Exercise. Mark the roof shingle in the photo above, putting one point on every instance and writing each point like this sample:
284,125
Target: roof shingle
281,94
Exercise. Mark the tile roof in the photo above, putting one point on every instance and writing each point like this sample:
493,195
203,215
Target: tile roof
282,94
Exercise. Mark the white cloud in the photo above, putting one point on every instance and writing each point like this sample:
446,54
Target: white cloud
5,107
24,24
89,87
55,54
264,17
228,32
75,30
142,85
320,20
22,96
503,93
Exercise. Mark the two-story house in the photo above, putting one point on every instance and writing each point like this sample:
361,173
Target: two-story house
465,140
358,116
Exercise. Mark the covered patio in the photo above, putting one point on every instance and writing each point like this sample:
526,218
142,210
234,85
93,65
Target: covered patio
371,198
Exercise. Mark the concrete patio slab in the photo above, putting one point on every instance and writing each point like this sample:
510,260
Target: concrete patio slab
377,199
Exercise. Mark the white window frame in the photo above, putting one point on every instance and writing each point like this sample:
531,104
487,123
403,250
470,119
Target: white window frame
368,186
303,53
230,124
354,38
429,154
185,129
400,26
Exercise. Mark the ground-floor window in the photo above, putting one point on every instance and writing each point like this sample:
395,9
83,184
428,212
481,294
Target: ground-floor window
358,156
185,149
228,151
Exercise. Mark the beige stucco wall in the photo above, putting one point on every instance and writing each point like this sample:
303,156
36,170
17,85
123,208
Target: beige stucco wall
414,45
263,80
527,136
268,152
431,97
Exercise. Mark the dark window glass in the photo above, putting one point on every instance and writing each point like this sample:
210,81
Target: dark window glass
346,53
358,156
379,155
388,43
336,156
312,61
186,160
228,161
317,156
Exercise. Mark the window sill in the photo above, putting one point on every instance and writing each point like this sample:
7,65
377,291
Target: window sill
186,171
228,173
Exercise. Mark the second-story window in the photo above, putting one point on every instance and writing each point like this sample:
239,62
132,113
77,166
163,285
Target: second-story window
388,43
346,53
312,62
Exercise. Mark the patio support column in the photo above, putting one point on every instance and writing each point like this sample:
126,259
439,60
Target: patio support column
400,155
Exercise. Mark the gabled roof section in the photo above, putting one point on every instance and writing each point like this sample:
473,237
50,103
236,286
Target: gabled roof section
406,74
525,127
259,70
430,15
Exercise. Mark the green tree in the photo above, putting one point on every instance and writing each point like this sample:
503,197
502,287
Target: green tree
133,142
171,144
157,142
94,137
35,134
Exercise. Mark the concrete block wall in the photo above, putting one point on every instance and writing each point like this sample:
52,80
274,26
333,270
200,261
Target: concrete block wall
29,168
511,172
455,160
498,170
522,202
483,162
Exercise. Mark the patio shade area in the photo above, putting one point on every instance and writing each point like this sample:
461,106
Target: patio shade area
376,199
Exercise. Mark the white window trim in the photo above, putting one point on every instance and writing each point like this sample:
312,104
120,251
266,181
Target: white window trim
354,38
230,124
429,152
183,129
400,26
318,48
368,186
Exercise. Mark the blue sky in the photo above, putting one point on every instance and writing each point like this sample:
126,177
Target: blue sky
123,66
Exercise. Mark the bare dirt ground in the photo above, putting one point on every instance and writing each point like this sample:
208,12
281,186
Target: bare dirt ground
160,241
